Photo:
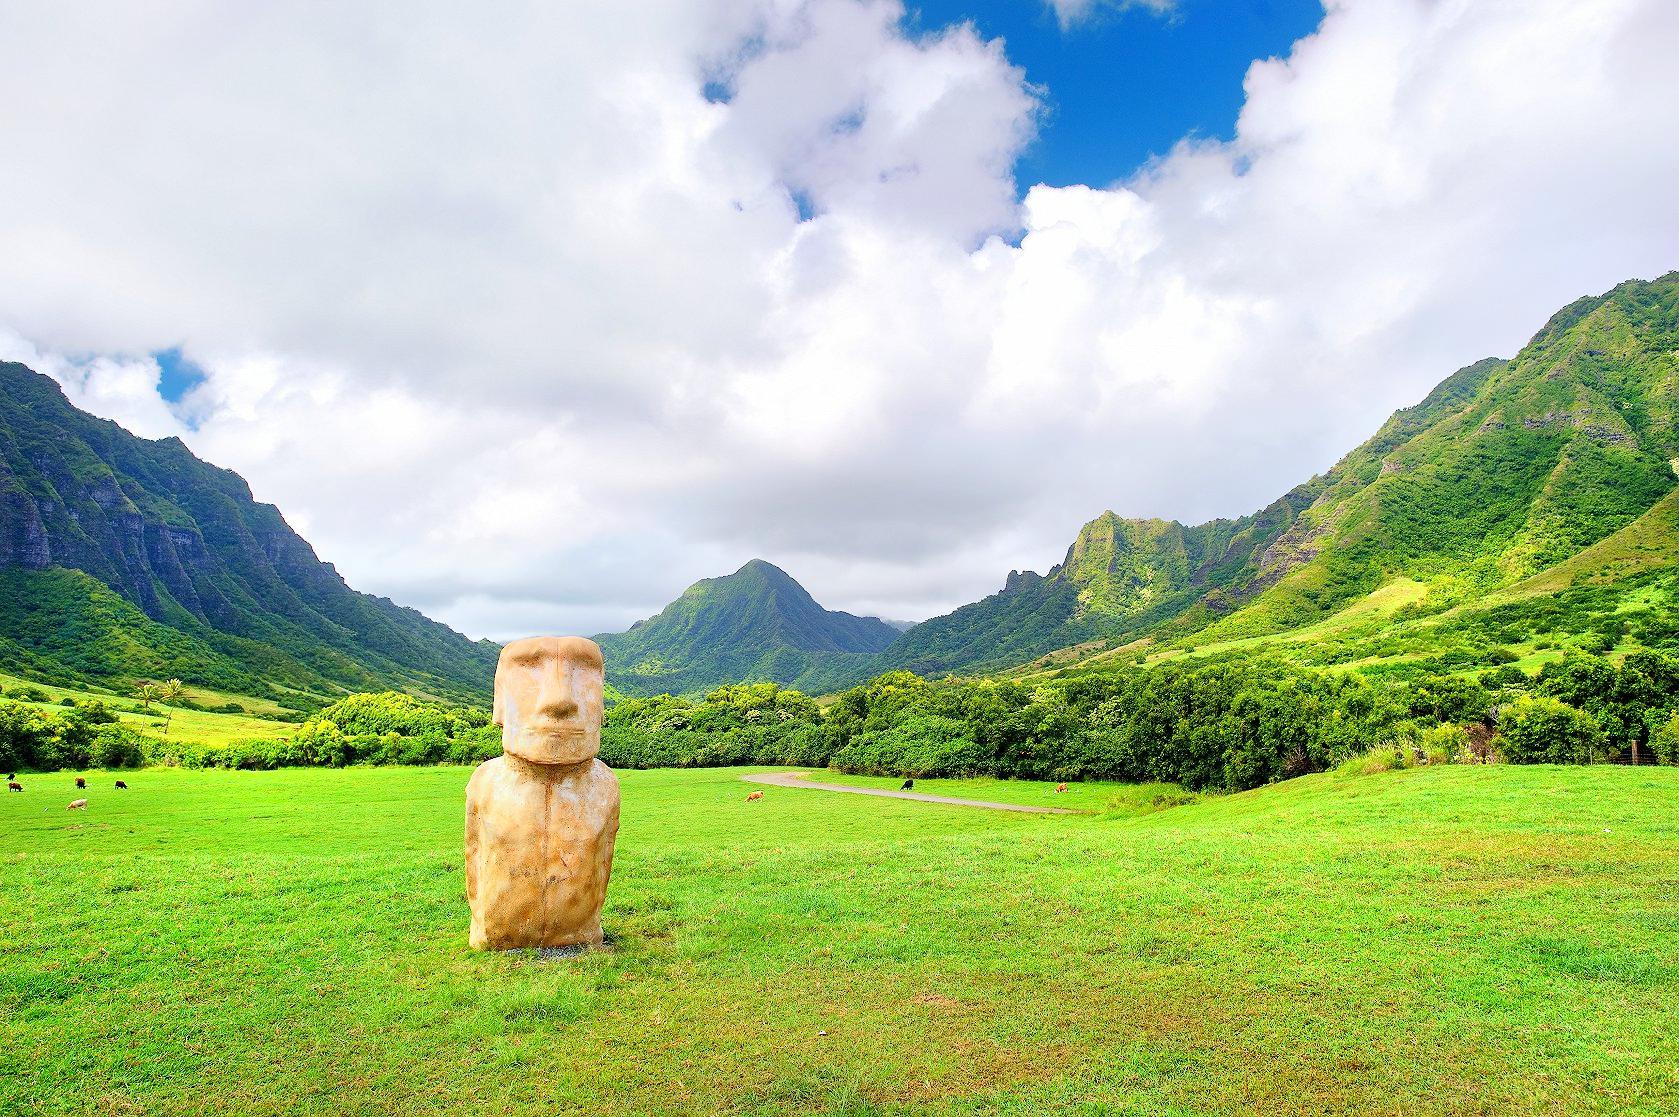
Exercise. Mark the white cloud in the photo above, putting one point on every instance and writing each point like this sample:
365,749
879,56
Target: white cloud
523,330
1072,12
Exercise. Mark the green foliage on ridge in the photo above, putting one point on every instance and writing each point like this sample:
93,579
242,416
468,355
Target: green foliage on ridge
122,556
1507,468
756,624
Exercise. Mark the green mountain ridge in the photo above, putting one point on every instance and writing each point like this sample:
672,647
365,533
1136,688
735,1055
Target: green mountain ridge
755,625
123,557
1506,468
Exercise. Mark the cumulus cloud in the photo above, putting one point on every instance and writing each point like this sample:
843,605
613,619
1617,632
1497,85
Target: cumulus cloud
530,318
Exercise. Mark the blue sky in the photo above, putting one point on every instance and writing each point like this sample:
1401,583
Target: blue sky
177,375
1125,85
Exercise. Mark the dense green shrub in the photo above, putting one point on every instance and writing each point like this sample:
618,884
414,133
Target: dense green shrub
1444,744
117,746
81,736
1664,741
25,735
1543,730
925,745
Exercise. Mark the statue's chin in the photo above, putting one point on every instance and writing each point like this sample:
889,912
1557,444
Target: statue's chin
552,748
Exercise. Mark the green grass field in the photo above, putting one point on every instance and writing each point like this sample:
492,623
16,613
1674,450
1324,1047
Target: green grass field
1447,940
204,727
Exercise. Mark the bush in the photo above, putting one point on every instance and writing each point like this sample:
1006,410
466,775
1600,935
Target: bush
1504,677
1383,758
1444,744
1542,730
25,734
116,746
1664,741
920,747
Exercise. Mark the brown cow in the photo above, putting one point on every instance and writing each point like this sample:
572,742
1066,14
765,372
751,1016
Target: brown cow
1060,787
81,784
13,785
754,795
77,805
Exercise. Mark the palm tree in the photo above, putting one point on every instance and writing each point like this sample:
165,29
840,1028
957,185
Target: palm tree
168,692
146,692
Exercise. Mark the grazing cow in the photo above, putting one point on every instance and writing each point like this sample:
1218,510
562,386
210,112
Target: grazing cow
909,783
77,805
1060,787
121,786
13,785
81,784
754,795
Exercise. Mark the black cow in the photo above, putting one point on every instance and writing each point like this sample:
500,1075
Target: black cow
909,783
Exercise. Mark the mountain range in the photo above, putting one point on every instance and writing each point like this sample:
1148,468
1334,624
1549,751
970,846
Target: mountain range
122,557
1507,467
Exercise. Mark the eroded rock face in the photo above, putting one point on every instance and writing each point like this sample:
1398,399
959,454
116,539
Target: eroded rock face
541,819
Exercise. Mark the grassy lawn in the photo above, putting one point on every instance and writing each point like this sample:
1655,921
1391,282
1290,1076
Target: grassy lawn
204,727
1091,795
199,726
1444,940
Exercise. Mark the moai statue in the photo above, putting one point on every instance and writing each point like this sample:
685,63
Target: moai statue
541,818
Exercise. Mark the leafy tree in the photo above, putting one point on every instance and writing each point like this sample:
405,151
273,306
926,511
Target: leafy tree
1543,730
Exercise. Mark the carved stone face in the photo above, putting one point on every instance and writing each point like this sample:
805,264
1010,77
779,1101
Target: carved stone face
549,699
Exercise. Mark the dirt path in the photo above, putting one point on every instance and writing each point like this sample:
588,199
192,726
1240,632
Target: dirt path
797,779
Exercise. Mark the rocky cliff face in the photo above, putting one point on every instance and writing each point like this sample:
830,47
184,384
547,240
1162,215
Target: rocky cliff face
186,543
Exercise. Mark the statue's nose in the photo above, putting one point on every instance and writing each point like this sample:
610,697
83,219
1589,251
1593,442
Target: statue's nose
555,699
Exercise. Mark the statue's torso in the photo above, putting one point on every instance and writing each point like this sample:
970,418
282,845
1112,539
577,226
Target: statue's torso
541,850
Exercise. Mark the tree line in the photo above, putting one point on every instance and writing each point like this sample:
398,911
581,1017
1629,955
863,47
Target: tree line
1206,725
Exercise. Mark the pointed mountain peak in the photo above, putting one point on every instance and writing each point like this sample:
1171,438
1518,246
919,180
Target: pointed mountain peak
762,568
756,624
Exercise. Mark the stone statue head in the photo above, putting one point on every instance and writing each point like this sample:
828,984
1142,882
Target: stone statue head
549,697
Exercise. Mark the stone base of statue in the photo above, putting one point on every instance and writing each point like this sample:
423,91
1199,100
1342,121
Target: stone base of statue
537,873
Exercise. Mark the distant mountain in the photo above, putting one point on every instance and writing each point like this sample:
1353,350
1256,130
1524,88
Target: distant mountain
1505,469
1120,576
123,557
756,624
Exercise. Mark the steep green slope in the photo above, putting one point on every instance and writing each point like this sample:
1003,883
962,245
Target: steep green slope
756,624
124,556
1505,469
1508,468
1618,596
1120,578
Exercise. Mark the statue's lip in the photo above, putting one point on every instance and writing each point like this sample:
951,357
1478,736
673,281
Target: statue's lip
554,730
